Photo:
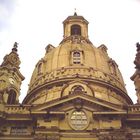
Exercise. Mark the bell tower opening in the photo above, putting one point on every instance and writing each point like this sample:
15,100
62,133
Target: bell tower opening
75,29
11,97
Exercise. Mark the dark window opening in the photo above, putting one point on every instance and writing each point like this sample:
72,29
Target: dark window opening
11,97
75,30
79,88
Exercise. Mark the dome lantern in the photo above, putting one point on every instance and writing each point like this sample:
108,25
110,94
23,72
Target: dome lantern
75,25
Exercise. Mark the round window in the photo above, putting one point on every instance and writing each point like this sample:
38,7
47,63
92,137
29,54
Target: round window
78,120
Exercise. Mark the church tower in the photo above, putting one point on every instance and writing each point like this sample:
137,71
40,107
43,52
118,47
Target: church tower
10,78
136,75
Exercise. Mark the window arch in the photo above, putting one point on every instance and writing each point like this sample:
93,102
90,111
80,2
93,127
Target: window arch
11,97
75,29
76,57
77,89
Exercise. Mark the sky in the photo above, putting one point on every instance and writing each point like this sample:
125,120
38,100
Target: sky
36,23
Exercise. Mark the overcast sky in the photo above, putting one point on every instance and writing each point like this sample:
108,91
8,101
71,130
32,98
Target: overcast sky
36,23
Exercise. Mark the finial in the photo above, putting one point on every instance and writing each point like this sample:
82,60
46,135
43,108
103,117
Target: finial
15,46
75,14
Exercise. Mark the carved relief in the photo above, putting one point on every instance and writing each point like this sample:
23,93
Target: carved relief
12,60
76,39
104,50
3,85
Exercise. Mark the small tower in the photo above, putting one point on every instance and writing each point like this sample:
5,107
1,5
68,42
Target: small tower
75,25
10,77
136,75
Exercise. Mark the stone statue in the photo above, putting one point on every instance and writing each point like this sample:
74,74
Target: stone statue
15,45
137,58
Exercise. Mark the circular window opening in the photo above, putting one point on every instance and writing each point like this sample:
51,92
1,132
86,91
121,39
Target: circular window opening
78,120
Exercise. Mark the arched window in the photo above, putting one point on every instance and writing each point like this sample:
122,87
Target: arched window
76,57
75,30
11,97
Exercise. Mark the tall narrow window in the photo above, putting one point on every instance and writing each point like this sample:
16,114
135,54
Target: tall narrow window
11,97
76,57
75,30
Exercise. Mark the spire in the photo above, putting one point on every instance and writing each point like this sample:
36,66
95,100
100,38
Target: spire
15,46
12,60
75,14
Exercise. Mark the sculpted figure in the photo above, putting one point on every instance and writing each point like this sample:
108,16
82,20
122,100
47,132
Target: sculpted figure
137,59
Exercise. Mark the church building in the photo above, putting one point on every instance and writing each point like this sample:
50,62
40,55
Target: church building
76,92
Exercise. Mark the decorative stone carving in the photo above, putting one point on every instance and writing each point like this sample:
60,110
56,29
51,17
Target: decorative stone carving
76,39
49,48
137,58
136,76
3,85
12,60
78,104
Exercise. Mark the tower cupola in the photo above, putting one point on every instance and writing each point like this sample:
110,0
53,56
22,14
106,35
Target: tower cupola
75,25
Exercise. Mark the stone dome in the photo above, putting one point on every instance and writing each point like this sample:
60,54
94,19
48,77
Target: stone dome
76,65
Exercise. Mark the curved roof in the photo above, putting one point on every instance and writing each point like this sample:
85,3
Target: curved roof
76,58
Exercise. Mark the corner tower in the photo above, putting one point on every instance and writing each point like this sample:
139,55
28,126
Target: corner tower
10,77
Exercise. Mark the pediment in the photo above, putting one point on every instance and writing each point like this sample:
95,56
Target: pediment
79,100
